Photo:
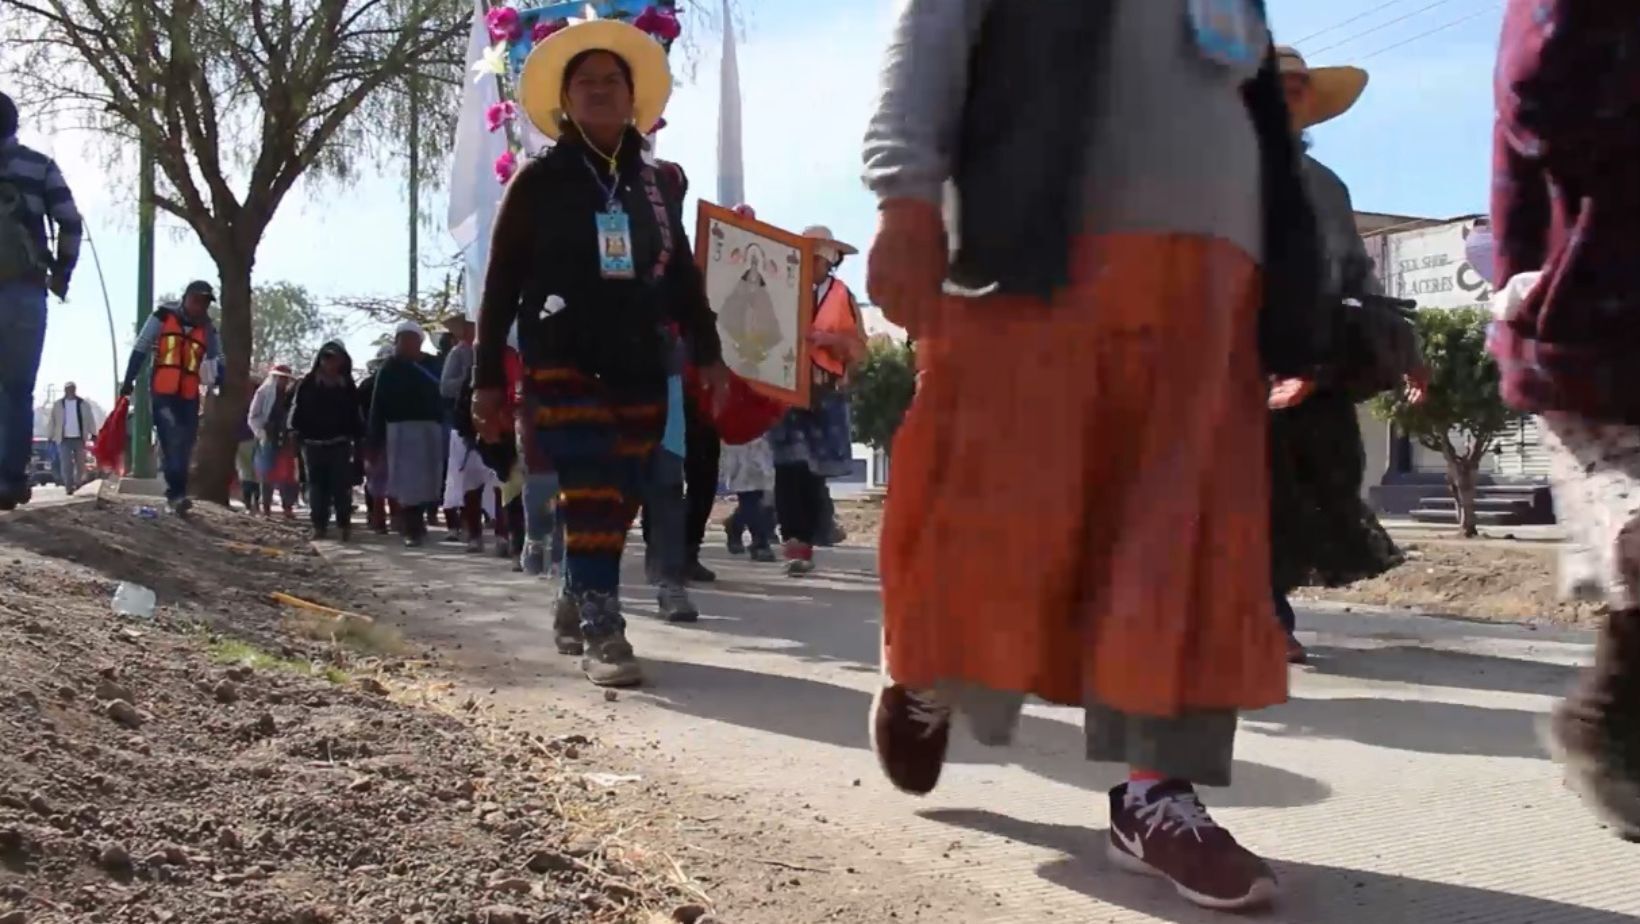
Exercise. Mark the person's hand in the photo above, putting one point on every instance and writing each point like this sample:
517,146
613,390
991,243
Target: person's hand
907,262
1417,382
127,388
1289,393
716,379
58,284
487,413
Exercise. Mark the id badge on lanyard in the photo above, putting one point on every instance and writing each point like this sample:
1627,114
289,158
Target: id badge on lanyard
1230,32
615,244
614,228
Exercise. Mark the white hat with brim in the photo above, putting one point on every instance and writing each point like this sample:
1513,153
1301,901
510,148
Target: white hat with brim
541,85
823,234
408,327
1333,90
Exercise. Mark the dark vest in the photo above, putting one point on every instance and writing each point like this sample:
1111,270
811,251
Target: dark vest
1019,171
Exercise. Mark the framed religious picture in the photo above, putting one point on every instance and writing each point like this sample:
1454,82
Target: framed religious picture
759,279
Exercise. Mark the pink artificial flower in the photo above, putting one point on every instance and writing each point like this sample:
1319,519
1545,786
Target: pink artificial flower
542,31
500,114
661,23
745,211
503,23
505,166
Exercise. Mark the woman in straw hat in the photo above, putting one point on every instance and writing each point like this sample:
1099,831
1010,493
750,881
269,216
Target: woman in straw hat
813,444
1079,505
591,258
1322,532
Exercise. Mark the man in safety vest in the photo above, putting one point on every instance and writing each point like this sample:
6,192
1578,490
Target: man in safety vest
187,356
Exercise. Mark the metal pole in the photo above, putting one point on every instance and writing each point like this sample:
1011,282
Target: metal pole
141,460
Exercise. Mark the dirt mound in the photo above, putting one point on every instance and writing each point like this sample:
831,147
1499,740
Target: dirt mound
1474,579
163,771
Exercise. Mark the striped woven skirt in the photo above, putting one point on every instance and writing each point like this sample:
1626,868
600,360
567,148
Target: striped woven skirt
599,438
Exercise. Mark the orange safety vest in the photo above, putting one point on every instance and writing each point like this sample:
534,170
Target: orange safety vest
178,354
836,314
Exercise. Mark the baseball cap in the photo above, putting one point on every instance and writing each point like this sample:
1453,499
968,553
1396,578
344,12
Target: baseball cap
200,287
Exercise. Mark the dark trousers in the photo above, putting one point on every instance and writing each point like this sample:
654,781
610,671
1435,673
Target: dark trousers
1285,614
754,516
799,500
176,420
702,451
663,523
329,483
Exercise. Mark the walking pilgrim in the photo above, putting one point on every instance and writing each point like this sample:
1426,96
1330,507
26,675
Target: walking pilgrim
1079,503
591,258
1566,219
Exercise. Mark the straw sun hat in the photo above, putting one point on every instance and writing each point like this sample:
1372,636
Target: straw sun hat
828,242
1333,90
541,86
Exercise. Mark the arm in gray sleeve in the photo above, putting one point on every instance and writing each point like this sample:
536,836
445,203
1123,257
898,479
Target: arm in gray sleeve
911,139
66,216
146,337
458,367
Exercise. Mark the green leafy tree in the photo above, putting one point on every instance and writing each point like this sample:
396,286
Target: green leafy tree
287,326
1462,414
238,100
880,391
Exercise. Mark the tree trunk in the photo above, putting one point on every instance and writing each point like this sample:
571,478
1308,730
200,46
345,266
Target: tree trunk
219,431
1461,475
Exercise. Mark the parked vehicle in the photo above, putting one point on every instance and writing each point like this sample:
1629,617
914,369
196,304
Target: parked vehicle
42,467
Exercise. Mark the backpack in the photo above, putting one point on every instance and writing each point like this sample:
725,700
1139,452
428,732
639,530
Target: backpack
19,251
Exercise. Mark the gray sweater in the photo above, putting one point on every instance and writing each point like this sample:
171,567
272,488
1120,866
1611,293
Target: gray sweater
1171,150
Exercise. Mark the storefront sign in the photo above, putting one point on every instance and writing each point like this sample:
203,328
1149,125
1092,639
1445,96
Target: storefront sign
1431,267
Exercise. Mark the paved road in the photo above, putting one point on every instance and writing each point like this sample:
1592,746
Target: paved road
1402,783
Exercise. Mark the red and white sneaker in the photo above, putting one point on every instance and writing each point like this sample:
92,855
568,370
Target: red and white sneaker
1168,833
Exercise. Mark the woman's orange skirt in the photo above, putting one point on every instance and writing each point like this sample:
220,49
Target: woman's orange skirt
1079,501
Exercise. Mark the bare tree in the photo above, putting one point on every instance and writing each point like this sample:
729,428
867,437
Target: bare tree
239,99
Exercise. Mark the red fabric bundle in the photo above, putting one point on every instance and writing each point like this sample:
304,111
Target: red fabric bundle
747,414
110,445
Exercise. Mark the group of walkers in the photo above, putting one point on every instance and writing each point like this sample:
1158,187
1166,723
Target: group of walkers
1134,426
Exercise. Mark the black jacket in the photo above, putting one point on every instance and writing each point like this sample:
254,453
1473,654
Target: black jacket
321,413
546,244
1019,163
405,390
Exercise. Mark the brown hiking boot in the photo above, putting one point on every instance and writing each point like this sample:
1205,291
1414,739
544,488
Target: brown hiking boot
566,626
1595,732
610,662
909,733
1170,834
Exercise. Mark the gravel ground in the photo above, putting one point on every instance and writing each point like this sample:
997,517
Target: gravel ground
232,760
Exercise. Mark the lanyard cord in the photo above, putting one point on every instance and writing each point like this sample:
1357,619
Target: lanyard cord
611,189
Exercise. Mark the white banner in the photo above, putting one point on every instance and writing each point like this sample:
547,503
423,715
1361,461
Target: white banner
1431,266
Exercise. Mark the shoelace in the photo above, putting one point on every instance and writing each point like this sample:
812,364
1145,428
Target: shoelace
928,712
1181,814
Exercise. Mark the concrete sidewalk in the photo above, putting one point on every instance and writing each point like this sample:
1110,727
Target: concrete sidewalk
1402,783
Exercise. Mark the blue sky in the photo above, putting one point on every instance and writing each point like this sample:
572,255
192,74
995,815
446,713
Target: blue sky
1418,143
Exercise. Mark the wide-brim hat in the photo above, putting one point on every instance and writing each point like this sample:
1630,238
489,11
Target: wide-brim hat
823,234
1333,90
541,85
